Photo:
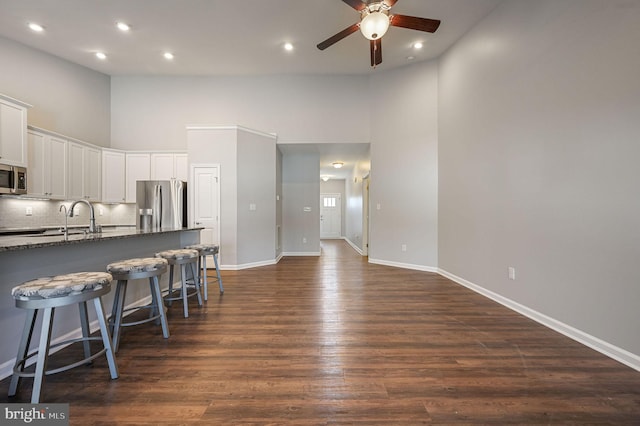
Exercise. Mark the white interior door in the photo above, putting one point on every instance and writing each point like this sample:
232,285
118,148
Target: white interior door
330,215
205,196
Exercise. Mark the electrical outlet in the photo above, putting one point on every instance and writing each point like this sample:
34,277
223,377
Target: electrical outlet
304,240
76,211
101,211
29,211
404,247
512,273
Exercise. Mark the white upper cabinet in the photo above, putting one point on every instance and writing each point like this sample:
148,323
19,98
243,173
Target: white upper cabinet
47,166
169,165
137,168
13,131
113,176
85,172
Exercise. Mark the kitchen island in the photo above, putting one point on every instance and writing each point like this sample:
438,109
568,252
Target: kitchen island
26,257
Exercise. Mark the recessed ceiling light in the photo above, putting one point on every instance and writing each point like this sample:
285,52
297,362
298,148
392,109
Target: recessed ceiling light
417,45
36,27
122,26
168,56
288,46
101,55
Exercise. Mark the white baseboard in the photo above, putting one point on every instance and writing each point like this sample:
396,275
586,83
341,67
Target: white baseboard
614,352
301,253
355,247
404,265
248,265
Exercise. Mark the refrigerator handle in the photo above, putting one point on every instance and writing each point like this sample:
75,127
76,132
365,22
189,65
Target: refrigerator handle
157,208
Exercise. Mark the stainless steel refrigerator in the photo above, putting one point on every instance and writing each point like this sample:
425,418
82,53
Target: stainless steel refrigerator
162,204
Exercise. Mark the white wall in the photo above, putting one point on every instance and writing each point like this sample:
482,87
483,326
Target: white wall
67,98
257,187
300,189
404,167
152,112
219,146
539,124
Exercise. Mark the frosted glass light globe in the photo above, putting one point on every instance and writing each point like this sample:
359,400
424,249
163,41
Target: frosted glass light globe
374,25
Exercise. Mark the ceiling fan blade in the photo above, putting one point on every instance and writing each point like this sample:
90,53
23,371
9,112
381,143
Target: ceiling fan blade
337,37
390,3
356,4
415,23
376,52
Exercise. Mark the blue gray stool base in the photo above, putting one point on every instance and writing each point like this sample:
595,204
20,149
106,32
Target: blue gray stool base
47,294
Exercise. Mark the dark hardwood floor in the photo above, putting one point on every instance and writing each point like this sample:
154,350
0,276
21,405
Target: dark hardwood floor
336,340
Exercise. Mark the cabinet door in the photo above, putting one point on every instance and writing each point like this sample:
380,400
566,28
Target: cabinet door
47,166
36,179
92,173
138,168
76,171
113,176
56,167
13,134
162,166
181,167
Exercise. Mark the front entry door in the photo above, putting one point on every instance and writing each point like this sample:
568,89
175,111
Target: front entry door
330,216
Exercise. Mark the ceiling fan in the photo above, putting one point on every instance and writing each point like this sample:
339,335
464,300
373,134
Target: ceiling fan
375,19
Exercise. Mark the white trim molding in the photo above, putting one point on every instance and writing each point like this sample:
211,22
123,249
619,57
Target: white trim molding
404,265
621,355
301,253
355,247
248,265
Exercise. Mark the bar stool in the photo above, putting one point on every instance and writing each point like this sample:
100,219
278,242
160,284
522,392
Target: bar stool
47,294
205,250
182,258
134,269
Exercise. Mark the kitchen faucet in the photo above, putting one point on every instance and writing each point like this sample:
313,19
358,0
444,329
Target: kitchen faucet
92,215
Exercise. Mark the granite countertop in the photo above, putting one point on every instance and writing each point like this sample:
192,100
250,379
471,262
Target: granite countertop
50,238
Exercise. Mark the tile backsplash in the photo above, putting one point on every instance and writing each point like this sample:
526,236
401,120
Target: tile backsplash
27,213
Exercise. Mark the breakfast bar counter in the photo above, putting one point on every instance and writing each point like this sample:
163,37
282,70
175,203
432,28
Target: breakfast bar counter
26,257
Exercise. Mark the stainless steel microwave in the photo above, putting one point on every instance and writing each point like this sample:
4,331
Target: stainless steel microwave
13,179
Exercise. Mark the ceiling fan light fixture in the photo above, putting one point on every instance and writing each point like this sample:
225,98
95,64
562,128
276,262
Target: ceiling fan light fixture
374,25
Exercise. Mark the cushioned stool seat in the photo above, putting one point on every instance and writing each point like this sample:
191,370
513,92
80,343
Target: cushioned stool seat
135,269
182,258
47,294
205,250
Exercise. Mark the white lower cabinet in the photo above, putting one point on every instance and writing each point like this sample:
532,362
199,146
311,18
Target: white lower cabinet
47,166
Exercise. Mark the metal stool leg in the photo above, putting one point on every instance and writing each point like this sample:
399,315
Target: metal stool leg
118,310
84,325
215,260
106,338
197,284
170,284
202,269
43,354
157,300
23,349
185,304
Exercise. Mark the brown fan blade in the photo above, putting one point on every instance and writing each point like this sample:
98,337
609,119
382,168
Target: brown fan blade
414,23
337,37
390,3
356,4
376,52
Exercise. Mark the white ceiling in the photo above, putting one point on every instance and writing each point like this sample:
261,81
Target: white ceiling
230,37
